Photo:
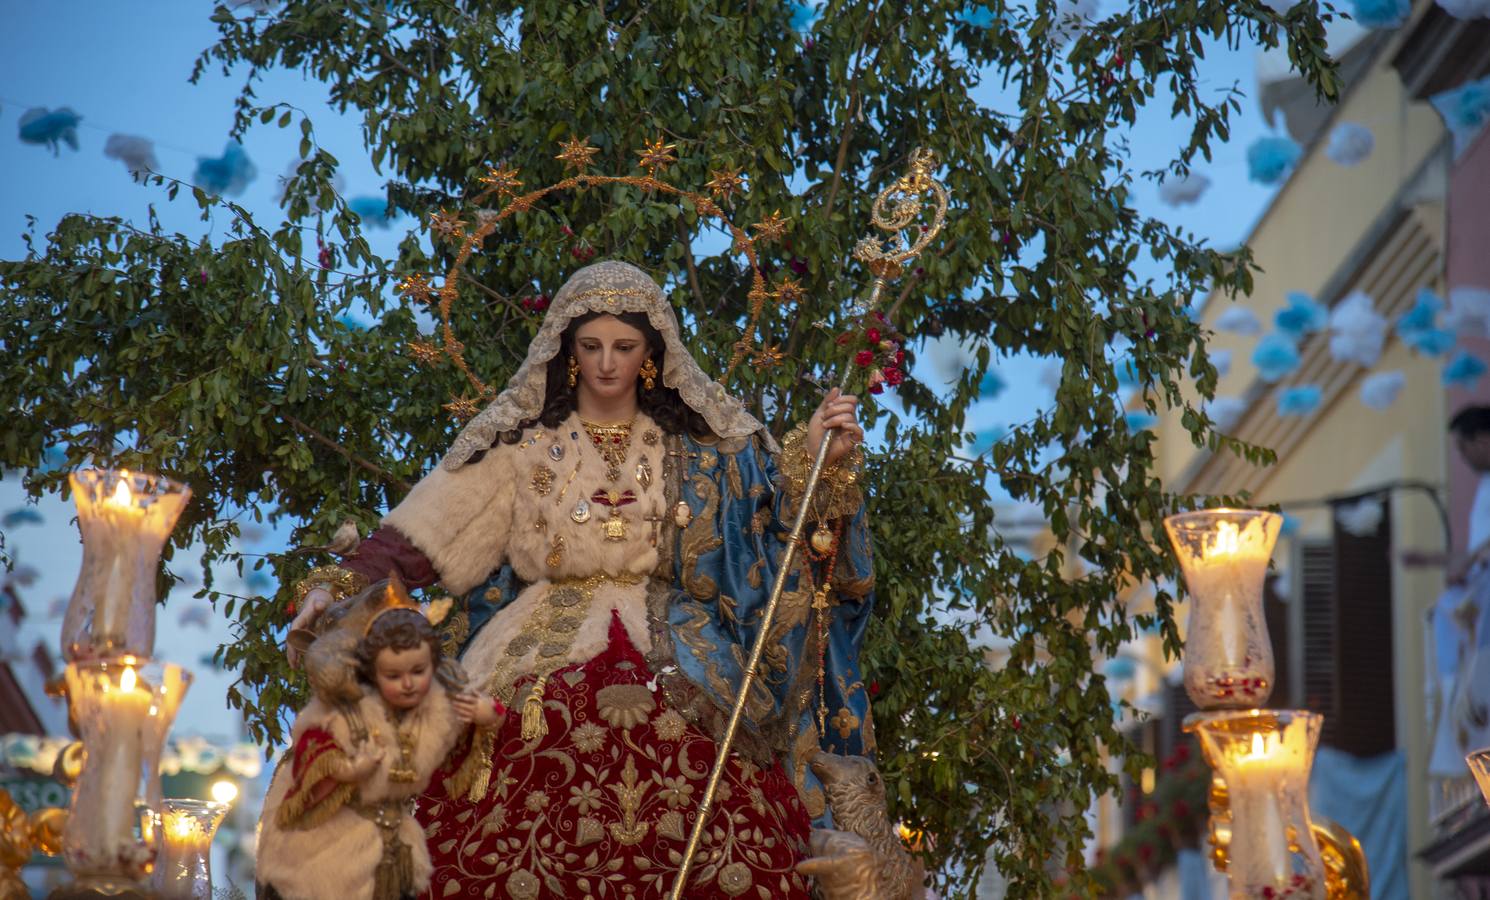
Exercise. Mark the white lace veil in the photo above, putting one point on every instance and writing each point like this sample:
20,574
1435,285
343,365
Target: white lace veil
612,287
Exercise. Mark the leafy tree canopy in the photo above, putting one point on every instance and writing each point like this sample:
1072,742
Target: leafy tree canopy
231,364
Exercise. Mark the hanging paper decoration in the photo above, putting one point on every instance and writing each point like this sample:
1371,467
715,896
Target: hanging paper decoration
1073,16
1468,314
1300,400
258,581
1275,357
228,174
1181,190
1120,668
803,15
1239,320
1463,370
1270,159
1301,316
1466,9
1221,359
374,211
1140,420
1361,518
977,15
1379,390
1225,412
1358,332
48,128
137,153
198,615
1465,110
1350,144
1290,526
1127,374
984,440
1381,13
990,385
1418,327
22,515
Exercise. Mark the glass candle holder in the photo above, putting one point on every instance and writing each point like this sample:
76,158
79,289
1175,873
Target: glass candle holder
1264,756
125,518
1479,767
1224,554
184,869
123,709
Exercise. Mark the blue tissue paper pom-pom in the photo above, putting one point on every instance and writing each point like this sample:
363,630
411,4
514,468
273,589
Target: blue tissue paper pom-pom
1127,374
984,440
1269,159
803,15
977,15
991,385
1138,420
1431,341
1301,316
23,515
374,211
50,127
229,174
1463,370
1300,401
1423,315
351,323
1120,668
1289,527
1275,357
1464,108
1381,13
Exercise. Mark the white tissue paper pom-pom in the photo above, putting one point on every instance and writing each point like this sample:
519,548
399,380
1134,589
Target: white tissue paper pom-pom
1239,320
1179,190
1221,359
1225,412
1361,518
1468,314
137,153
1380,389
1358,332
1350,143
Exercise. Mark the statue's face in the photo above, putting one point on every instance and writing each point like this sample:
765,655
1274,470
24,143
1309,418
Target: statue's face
404,675
610,353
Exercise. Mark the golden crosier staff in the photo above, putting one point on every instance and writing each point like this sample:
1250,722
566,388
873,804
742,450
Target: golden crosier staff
895,209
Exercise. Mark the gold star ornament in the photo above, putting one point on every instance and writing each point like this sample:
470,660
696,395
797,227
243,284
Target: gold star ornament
771,228
657,156
577,154
725,184
505,180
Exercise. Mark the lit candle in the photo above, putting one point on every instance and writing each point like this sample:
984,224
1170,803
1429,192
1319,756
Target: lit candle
121,518
108,785
184,870
1224,554
1252,782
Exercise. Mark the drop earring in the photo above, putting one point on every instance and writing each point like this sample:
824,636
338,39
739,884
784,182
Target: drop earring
573,371
649,374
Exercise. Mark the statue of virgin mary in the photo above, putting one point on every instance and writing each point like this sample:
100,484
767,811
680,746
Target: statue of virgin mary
614,521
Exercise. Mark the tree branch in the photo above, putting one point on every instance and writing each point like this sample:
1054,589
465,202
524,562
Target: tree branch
349,455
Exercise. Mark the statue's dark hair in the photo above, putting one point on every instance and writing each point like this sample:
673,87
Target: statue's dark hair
398,630
662,403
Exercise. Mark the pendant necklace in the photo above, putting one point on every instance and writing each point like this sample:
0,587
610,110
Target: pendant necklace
613,442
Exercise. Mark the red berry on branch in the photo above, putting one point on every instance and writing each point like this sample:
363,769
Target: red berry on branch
877,388
873,335
863,358
893,376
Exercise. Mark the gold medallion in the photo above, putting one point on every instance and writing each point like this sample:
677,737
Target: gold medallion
822,538
682,514
644,472
615,526
649,437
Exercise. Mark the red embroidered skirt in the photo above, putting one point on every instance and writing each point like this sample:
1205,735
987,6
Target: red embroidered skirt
602,806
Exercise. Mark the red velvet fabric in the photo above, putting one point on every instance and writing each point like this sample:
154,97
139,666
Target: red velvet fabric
601,806
387,550
310,746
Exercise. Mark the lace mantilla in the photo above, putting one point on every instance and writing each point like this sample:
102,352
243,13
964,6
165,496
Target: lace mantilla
613,287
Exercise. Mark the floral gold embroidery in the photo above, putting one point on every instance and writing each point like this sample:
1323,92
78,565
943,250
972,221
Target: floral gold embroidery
588,737
629,831
669,726
625,705
542,480
845,721
734,879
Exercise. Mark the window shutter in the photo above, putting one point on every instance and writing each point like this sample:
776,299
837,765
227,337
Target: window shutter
1317,593
1365,719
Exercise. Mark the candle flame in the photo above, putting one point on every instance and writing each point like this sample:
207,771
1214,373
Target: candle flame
224,791
122,495
127,680
1228,540
182,825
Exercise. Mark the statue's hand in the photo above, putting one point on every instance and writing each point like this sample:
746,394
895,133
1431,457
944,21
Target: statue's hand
315,603
838,410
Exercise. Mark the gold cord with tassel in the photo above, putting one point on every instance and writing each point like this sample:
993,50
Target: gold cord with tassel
534,727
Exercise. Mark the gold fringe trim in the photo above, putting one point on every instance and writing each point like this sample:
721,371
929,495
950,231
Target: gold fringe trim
296,814
534,727
473,778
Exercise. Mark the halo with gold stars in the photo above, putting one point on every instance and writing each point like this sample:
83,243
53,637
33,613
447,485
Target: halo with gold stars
505,185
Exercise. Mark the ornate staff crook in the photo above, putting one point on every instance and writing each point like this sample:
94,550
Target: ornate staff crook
895,209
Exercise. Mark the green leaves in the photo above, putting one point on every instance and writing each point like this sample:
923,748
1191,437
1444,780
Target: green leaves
223,364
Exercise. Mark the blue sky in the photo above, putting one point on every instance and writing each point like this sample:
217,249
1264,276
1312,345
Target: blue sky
124,68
